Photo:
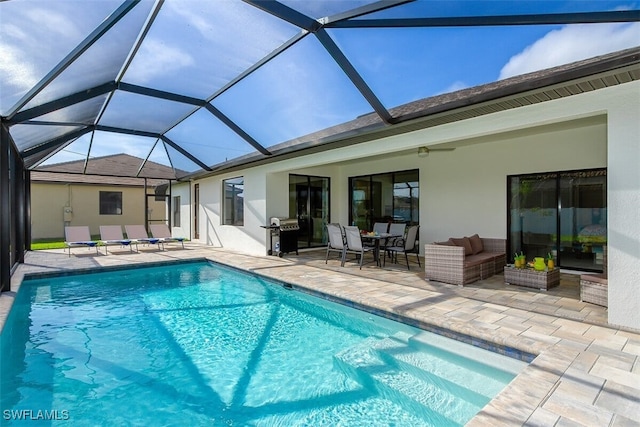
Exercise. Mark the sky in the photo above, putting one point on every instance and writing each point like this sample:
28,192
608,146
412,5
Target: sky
195,47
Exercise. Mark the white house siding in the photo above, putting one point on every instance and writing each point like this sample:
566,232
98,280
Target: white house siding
464,191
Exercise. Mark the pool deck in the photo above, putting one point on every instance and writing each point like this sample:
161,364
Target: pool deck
585,372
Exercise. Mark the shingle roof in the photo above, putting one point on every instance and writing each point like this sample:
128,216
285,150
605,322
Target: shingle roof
116,169
539,86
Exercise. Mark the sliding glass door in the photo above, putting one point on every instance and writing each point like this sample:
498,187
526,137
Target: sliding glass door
583,220
562,214
387,197
309,203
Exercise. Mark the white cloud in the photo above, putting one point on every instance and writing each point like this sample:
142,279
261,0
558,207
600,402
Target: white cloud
572,43
159,59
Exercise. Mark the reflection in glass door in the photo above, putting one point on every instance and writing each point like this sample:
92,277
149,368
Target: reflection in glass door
309,203
561,213
583,221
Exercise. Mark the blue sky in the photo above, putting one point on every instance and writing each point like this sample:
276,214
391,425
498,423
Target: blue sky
195,47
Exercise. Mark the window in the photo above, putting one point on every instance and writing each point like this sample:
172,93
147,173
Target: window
383,198
233,202
176,211
111,203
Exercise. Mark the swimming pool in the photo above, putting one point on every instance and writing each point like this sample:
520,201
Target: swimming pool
203,344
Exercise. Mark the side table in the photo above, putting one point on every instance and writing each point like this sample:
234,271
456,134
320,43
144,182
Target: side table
531,278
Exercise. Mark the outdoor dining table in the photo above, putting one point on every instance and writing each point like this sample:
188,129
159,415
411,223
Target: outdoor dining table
376,239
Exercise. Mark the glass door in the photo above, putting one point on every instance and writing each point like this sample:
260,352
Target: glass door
361,209
309,203
583,229
562,214
533,215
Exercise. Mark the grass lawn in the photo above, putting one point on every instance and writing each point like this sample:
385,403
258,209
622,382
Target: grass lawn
37,246
40,244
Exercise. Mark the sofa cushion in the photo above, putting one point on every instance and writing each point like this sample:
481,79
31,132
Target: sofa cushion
472,260
476,244
447,243
464,242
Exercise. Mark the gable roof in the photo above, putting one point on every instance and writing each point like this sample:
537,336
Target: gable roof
116,169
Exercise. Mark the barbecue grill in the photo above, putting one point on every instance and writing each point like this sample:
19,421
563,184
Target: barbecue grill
283,235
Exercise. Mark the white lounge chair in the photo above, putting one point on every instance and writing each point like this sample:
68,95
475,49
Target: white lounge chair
112,235
162,232
78,235
139,233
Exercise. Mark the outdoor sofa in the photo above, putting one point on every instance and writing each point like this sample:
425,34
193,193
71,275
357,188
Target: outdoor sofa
464,260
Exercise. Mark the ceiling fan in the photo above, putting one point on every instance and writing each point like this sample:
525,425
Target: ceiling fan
424,151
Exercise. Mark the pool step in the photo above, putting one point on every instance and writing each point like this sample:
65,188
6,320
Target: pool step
462,376
438,406
479,358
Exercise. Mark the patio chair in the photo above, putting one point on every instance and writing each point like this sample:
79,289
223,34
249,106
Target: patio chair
408,246
396,229
354,244
112,235
379,228
78,235
336,241
162,232
139,233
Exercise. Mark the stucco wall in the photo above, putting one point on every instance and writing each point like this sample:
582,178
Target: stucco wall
464,191
49,199
461,192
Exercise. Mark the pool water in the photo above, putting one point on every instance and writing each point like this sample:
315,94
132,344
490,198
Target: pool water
202,344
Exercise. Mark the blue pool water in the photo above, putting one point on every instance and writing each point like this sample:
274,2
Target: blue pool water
202,344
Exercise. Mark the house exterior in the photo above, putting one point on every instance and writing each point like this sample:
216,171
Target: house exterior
60,199
580,117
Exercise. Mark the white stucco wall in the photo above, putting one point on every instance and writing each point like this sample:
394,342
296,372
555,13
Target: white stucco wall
623,181
464,191
182,190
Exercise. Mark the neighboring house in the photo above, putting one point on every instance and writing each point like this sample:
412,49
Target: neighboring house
574,127
60,196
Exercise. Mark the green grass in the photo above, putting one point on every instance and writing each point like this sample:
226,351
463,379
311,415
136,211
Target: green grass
40,244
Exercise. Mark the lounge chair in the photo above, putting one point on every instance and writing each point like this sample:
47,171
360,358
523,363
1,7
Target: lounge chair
162,232
78,235
139,233
112,235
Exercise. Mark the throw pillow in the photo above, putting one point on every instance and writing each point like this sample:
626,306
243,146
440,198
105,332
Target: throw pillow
445,243
465,243
476,244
